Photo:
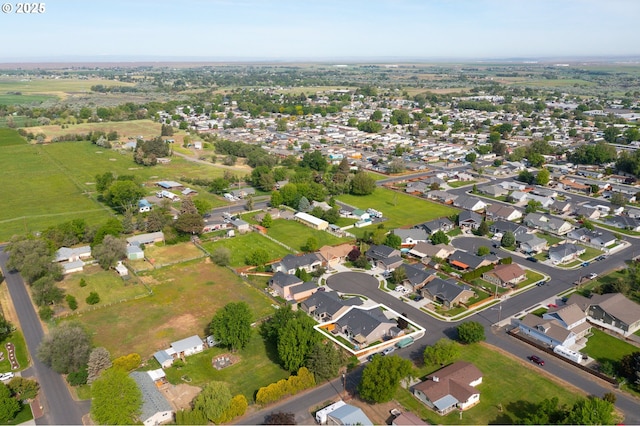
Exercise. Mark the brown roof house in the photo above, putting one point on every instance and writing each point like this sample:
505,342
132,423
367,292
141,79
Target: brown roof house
332,256
449,292
450,388
612,311
504,275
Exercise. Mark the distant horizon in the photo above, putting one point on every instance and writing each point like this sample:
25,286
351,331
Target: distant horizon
320,30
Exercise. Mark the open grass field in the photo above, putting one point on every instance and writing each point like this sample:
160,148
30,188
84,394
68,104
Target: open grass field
134,128
109,286
242,245
185,298
26,100
10,137
604,347
254,359
295,234
400,209
164,254
53,87
502,384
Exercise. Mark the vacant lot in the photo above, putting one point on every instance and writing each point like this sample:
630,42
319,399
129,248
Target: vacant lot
185,298
164,254
242,245
400,209
109,286
146,128
502,386
295,234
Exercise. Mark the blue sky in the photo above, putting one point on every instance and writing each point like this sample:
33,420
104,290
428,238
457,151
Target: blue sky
321,29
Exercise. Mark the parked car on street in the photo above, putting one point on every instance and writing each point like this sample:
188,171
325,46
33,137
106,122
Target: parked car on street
388,350
536,359
593,276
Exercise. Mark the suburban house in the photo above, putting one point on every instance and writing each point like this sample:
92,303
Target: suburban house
560,207
71,258
311,221
612,311
243,192
408,419
624,222
291,263
411,237
502,212
494,190
449,292
469,261
422,250
443,224
155,407
557,327
187,346
442,196
571,185
597,237
300,292
150,238
547,223
417,276
563,253
325,306
518,197
588,212
531,243
384,257
144,206
502,226
240,225
469,220
282,283
450,388
332,256
366,326
504,275
469,203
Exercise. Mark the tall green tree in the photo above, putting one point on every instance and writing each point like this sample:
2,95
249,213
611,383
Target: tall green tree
508,239
110,251
214,399
362,184
591,411
470,332
296,341
392,240
124,194
542,178
115,398
324,361
439,237
66,348
231,325
381,378
9,406
443,352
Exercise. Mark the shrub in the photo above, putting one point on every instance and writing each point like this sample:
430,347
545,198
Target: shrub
72,302
45,313
127,362
93,298
79,377
83,283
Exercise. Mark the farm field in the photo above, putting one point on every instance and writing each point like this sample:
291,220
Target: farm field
134,128
185,298
56,87
400,209
109,286
11,137
26,100
501,386
242,245
295,234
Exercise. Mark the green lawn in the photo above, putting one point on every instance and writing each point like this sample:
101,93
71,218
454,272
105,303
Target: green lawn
295,234
242,245
185,298
604,347
254,370
590,253
400,209
551,239
11,137
23,415
22,355
109,286
459,183
502,385
532,277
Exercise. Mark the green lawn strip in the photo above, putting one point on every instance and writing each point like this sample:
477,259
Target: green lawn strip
604,347
459,183
109,286
551,239
400,209
6,99
22,354
541,256
454,232
345,221
539,312
377,176
502,385
590,253
489,287
254,370
616,229
185,298
242,245
295,234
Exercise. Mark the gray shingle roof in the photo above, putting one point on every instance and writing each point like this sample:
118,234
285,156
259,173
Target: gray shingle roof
152,399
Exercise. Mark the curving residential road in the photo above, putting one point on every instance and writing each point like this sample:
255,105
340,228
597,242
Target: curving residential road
59,407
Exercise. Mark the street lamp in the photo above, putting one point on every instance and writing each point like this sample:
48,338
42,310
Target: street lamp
499,308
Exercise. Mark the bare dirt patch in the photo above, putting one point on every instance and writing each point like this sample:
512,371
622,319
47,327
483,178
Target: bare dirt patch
180,396
179,325
6,305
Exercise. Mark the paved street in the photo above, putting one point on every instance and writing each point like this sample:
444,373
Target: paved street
59,407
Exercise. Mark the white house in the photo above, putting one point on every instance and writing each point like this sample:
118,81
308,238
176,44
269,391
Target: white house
188,346
155,408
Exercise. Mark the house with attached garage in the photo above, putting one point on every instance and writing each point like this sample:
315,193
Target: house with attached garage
448,292
366,326
612,311
150,238
469,203
417,276
563,253
442,196
411,237
71,259
556,328
494,190
282,283
467,261
469,220
291,263
450,388
624,222
561,207
384,257
505,275
325,306
443,224
597,237
497,211
547,223
334,255
531,243
502,226
427,250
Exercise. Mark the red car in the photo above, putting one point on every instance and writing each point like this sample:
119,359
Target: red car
552,305
536,359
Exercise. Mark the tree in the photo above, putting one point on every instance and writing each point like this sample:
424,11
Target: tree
237,407
439,237
393,241
618,199
214,399
526,176
115,398
258,257
231,325
267,221
23,389
471,157
470,332
483,228
110,251
123,194
189,223
508,239
443,352
303,204
202,206
381,377
6,328
611,134
324,361
221,256
45,291
362,184
398,275
542,178
99,360
276,199
66,348
533,206
111,227
630,364
31,257
590,411
9,406
483,251
296,341
72,302
281,418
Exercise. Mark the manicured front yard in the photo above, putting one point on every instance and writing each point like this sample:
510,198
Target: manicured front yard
532,277
605,347
295,234
254,370
590,253
459,183
551,239
243,244
400,209
185,298
502,395
22,355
